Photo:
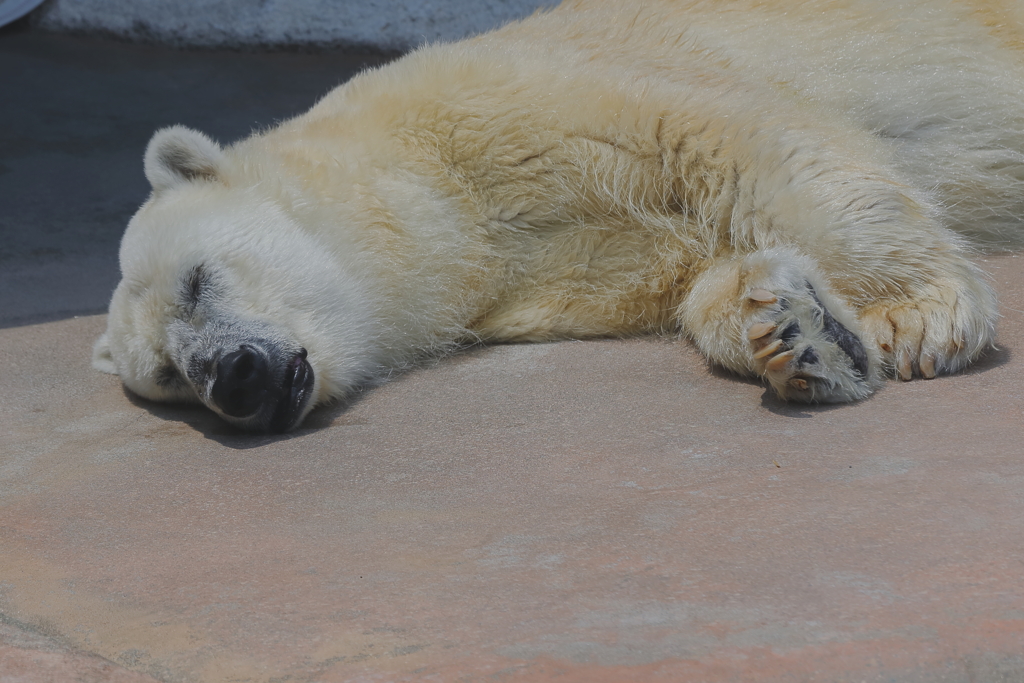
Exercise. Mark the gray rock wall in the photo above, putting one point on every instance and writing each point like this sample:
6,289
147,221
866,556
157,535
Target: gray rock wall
379,24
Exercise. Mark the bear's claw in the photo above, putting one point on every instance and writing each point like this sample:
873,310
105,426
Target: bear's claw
769,349
759,330
762,296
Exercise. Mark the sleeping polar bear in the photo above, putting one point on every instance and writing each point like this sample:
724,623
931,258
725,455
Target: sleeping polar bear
779,182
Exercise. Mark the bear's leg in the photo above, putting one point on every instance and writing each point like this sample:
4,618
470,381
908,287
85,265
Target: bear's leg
771,313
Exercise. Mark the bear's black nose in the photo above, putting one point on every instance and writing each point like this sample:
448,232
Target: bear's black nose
241,383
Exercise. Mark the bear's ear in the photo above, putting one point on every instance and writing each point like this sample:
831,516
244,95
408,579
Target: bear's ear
179,155
102,360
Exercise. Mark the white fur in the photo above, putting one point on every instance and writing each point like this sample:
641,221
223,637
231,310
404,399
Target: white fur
613,168
178,155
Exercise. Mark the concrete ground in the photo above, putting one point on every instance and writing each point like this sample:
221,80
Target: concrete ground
599,511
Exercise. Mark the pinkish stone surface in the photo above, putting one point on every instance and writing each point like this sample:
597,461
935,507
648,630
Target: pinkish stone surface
598,511
27,656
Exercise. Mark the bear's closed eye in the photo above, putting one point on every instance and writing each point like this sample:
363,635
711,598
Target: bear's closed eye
194,285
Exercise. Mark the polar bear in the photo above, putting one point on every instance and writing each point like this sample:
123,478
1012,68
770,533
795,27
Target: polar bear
786,184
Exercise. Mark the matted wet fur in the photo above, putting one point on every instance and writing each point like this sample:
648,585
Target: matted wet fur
784,183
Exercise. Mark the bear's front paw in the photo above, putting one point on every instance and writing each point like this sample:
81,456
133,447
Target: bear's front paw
803,352
940,330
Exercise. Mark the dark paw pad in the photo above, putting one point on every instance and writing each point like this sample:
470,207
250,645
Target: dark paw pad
843,338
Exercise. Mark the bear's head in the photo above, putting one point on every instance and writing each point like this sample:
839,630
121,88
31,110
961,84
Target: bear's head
224,299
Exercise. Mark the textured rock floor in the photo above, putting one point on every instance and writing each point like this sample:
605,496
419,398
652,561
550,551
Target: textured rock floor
599,511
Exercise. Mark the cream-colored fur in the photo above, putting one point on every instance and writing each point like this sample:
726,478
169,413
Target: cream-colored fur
724,169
